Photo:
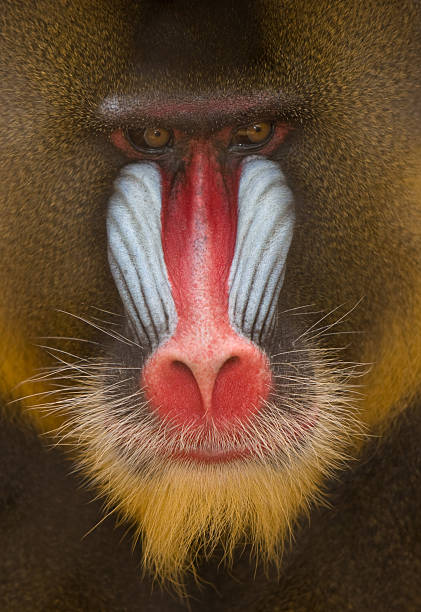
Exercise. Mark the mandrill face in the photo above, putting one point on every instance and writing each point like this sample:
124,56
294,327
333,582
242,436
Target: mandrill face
212,428
210,211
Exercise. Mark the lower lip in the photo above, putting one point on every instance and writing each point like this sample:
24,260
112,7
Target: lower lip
209,457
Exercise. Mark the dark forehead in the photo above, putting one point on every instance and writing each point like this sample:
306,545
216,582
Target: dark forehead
196,62
191,57
198,59
196,35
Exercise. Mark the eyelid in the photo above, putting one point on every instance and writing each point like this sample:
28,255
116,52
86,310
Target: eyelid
251,145
145,148
119,139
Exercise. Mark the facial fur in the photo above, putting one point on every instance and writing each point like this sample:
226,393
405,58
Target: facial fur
335,350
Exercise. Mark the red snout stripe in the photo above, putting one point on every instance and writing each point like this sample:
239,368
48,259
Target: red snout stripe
207,370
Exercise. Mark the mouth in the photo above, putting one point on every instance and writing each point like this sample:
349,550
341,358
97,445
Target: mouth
260,440
212,456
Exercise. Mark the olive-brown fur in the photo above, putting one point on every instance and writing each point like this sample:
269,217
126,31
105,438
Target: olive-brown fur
348,81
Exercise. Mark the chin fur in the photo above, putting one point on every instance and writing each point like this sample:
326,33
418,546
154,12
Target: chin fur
183,509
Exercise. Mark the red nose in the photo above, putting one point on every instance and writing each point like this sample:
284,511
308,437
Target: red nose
217,377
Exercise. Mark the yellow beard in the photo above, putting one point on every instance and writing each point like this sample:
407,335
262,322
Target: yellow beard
189,510
182,511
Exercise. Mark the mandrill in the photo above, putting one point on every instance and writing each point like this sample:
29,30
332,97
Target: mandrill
210,305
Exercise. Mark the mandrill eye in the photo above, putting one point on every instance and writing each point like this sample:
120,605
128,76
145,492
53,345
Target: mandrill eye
252,136
150,140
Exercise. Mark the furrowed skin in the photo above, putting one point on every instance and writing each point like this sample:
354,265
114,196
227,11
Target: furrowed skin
264,236
135,253
264,233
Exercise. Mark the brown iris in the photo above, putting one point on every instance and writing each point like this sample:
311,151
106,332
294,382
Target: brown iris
153,139
253,135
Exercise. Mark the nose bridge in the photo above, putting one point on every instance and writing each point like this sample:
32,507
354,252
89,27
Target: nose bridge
199,228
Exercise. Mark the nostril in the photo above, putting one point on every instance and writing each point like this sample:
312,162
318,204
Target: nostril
229,362
237,389
181,367
180,377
